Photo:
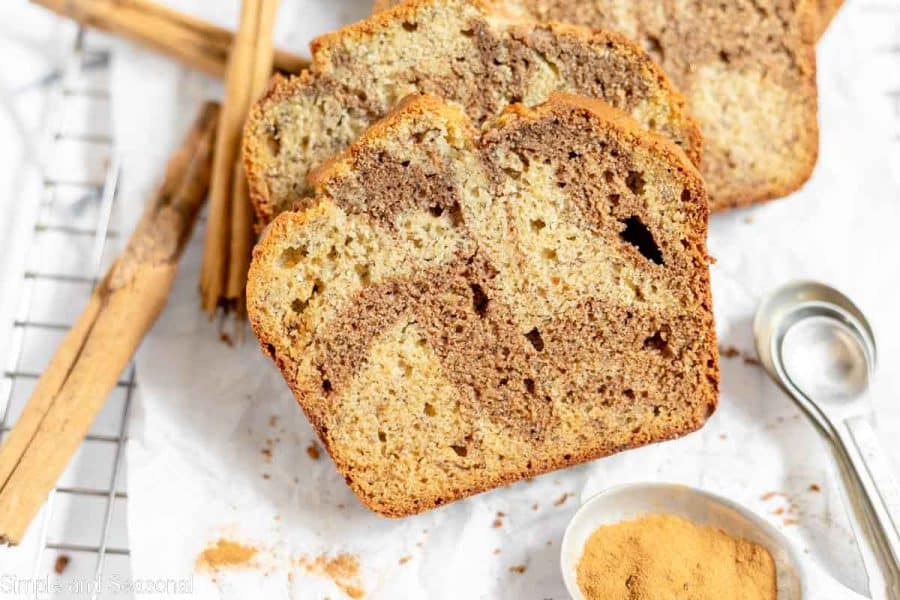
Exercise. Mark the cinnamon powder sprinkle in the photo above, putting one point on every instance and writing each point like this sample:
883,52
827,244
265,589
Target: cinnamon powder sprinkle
62,561
405,559
814,487
313,451
342,569
497,523
562,499
225,554
729,352
665,556
517,569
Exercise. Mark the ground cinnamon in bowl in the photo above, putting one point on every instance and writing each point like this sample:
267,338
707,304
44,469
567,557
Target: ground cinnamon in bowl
663,557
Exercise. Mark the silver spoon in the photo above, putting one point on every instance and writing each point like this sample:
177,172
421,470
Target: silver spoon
817,345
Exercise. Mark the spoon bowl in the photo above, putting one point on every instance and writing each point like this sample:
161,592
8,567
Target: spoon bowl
819,348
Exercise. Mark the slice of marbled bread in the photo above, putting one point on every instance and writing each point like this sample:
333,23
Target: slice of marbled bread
459,308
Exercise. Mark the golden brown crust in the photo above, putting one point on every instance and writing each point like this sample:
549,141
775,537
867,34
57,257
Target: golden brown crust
515,118
827,10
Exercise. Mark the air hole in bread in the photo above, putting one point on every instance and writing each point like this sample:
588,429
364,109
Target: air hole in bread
460,451
637,234
467,32
455,214
608,176
724,57
436,211
653,47
273,141
529,385
364,275
537,225
326,385
429,409
614,200
685,195
298,305
409,26
635,182
658,343
480,300
629,393
534,336
656,411
550,254
292,255
382,437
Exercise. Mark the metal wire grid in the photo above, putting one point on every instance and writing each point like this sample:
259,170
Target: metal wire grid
69,88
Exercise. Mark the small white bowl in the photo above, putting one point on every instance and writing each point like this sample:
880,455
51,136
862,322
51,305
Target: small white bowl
797,578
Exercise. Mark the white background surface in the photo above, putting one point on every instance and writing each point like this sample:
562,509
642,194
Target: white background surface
202,420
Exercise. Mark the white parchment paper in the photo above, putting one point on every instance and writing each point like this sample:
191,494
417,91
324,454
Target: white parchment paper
218,448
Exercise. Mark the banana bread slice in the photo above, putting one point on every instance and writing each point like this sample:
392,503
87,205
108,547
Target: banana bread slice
458,50
747,68
456,309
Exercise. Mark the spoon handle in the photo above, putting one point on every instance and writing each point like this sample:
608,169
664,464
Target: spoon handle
876,478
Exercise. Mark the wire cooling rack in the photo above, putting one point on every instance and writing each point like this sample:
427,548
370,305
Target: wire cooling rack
78,542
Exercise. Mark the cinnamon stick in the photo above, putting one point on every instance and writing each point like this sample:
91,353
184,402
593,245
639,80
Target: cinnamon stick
197,43
229,230
242,232
214,272
88,362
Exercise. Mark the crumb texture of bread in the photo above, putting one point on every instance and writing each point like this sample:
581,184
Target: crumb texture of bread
459,50
747,68
459,307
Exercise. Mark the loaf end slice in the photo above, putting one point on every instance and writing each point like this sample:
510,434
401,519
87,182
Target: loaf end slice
457,308
459,50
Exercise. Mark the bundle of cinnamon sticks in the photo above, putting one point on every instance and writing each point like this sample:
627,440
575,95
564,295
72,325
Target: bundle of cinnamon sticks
229,231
